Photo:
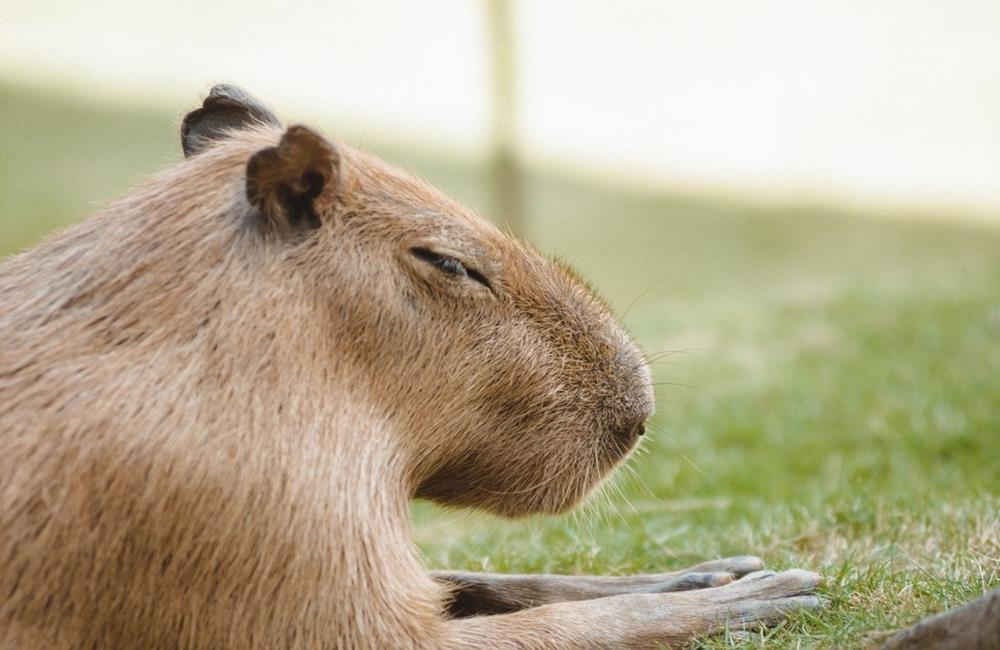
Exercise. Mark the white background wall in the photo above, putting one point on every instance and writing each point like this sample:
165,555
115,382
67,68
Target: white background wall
894,103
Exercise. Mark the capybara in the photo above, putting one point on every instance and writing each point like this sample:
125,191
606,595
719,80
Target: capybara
219,395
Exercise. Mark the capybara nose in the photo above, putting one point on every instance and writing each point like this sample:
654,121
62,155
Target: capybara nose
632,429
636,428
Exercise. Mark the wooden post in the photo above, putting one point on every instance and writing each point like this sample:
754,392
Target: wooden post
506,179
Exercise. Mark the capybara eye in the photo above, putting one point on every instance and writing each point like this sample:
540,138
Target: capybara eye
450,265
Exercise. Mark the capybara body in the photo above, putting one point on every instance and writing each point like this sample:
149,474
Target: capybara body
211,420
219,395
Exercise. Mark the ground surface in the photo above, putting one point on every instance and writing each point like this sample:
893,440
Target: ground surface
829,383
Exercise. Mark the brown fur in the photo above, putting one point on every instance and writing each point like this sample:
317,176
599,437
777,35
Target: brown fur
213,415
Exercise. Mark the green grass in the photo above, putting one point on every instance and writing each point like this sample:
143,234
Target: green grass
829,382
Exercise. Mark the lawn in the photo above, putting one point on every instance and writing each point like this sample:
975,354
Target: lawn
828,381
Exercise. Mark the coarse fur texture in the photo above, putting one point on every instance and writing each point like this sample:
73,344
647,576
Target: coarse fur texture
219,394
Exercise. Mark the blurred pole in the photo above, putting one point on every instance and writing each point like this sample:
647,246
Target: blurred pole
508,190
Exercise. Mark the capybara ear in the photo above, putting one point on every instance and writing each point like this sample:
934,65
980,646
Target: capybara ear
293,184
226,108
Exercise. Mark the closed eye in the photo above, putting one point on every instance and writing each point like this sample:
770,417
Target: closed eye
450,265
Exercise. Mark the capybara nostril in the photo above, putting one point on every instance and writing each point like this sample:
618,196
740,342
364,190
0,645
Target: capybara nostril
631,429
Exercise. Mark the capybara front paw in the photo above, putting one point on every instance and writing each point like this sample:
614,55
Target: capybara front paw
753,613
714,573
738,566
691,581
767,585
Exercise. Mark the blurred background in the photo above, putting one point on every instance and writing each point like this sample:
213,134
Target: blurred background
795,206
890,104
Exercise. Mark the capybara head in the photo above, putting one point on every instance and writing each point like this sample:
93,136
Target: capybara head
510,386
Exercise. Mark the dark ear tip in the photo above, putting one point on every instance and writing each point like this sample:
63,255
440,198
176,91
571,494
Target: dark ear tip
296,131
229,90
226,107
189,143
300,133
229,95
